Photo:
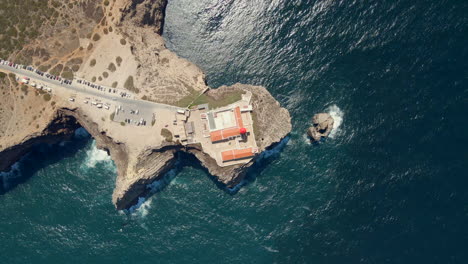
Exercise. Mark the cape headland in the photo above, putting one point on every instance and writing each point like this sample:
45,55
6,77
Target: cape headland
138,100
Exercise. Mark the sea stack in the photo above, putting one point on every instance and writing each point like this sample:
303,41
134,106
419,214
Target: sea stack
322,126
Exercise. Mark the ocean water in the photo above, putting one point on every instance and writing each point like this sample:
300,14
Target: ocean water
388,185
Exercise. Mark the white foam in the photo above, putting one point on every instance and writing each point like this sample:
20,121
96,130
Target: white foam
144,208
270,249
141,208
306,139
337,115
95,156
14,172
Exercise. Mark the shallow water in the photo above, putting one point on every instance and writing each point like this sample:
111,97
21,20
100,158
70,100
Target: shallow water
387,187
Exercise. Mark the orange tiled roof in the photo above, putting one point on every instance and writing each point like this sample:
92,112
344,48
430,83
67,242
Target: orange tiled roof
237,114
224,133
234,154
229,132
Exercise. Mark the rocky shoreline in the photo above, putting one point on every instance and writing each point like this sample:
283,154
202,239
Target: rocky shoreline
137,167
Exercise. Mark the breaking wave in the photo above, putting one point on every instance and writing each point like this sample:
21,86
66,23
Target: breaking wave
95,156
141,208
337,115
7,177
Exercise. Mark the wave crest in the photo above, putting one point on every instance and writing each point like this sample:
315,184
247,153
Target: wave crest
95,156
337,115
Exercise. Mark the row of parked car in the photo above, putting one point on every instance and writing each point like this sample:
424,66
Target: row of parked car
62,80
38,72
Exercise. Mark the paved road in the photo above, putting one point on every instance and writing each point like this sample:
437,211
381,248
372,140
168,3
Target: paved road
137,103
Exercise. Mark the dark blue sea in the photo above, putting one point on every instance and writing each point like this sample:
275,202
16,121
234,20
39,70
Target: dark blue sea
390,185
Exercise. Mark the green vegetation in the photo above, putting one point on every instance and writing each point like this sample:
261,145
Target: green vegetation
153,122
93,79
57,70
24,88
166,134
255,126
112,116
105,31
92,63
129,85
122,123
19,24
114,84
47,97
106,2
112,67
2,75
105,74
44,68
123,41
196,99
67,74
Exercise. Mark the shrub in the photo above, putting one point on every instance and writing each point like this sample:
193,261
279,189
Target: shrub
92,63
105,74
44,68
129,84
112,116
96,37
122,123
166,134
47,97
114,84
118,60
106,2
68,74
112,67
57,70
123,41
93,79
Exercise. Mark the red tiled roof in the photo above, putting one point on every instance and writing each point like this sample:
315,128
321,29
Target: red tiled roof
234,154
229,132
224,134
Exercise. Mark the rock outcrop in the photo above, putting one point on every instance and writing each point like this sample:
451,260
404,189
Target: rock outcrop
146,13
322,126
139,163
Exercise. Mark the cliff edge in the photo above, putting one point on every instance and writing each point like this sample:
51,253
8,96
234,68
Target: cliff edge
157,76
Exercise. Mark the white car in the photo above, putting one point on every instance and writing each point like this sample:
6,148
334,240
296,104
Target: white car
71,99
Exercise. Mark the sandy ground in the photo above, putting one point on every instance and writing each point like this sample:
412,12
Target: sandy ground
106,51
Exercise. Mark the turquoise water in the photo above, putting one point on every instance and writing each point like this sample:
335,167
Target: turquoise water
389,186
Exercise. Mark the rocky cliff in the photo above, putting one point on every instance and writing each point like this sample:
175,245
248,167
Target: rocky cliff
159,72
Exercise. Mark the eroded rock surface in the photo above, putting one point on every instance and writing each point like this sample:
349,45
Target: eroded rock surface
322,126
160,76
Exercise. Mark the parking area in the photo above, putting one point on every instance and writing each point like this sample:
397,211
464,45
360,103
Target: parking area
132,115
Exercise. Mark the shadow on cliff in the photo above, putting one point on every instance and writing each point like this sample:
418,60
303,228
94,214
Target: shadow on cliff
185,159
41,156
